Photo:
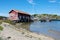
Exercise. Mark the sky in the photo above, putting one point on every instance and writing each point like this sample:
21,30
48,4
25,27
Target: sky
30,6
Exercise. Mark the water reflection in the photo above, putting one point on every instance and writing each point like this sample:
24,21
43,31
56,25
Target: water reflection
47,28
23,25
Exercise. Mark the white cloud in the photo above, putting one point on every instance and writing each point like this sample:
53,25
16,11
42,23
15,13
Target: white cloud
52,1
31,2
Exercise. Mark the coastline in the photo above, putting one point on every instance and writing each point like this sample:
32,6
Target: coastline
23,33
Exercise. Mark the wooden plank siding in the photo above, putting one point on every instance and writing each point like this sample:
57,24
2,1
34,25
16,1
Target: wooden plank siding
19,16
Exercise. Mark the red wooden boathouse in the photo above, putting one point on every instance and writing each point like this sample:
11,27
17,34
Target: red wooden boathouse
19,16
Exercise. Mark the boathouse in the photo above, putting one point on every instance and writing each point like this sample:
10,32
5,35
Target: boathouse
19,16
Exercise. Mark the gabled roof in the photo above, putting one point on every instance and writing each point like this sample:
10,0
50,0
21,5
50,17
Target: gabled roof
19,12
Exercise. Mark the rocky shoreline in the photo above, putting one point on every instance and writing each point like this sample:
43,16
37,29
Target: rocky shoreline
12,33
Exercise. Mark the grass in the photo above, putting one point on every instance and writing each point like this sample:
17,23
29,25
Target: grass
1,21
1,28
9,21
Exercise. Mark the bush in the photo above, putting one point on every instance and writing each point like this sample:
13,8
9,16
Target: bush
1,28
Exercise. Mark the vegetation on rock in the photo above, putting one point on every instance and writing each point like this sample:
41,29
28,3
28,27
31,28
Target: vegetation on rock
1,28
50,16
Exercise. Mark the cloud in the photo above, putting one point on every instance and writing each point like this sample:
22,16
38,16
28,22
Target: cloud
52,1
31,2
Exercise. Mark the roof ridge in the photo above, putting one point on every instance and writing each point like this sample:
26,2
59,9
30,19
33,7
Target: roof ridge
19,11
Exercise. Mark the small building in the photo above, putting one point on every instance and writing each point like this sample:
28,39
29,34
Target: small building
19,16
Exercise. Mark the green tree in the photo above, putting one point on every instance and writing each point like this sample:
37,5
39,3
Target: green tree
35,15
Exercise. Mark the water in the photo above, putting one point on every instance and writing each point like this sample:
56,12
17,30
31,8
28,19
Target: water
47,28
51,29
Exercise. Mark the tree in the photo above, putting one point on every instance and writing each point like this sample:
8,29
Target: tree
35,15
